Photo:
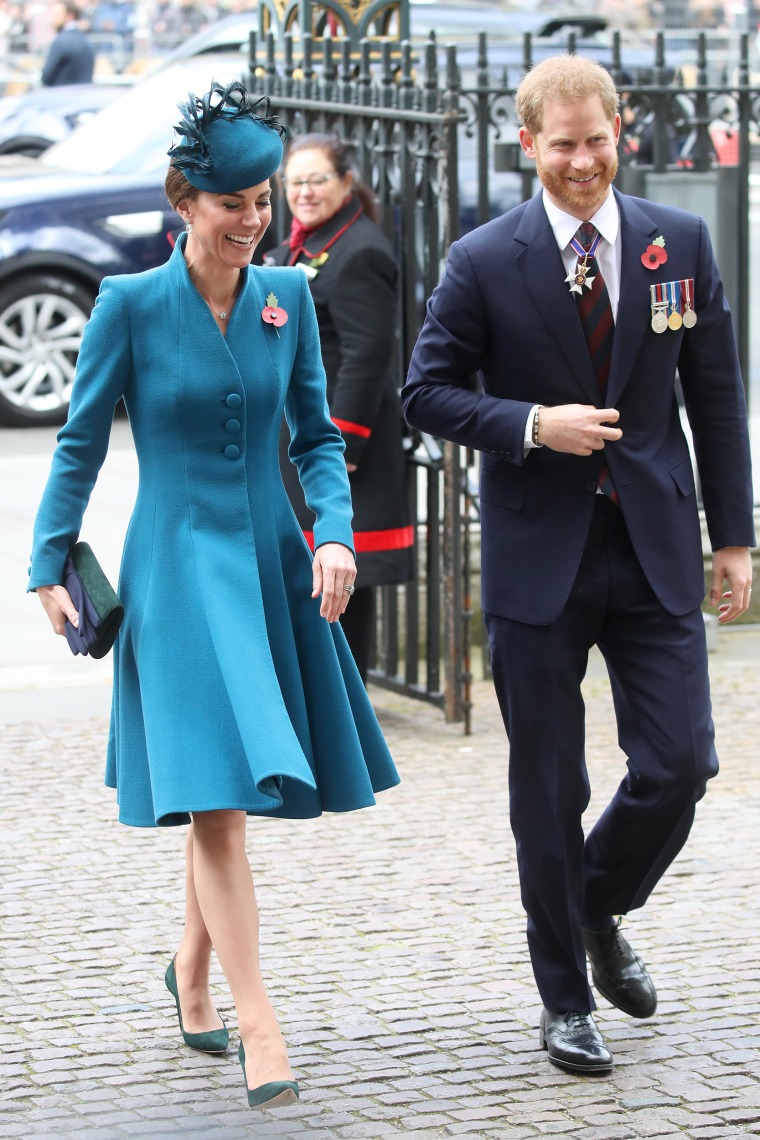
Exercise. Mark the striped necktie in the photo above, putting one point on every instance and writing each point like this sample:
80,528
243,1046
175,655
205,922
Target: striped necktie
595,312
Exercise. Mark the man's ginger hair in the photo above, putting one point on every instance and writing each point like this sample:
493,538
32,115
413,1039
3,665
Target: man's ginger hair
563,79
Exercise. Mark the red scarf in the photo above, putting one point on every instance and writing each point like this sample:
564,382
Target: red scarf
301,248
299,234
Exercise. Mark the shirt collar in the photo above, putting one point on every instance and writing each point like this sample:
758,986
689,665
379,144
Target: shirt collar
565,226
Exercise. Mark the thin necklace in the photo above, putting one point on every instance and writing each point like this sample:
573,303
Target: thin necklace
225,312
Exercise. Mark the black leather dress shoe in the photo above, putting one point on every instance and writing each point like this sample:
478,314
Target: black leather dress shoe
574,1042
618,973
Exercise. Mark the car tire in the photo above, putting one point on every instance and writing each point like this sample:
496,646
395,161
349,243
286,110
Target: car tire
31,147
42,318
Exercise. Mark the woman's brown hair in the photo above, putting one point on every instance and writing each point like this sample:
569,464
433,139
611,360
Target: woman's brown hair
340,157
177,187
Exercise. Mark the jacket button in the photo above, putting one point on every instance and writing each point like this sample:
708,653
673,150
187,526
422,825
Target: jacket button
507,454
590,485
233,400
232,425
232,451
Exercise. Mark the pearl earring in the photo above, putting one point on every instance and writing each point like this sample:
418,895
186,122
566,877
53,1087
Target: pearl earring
188,227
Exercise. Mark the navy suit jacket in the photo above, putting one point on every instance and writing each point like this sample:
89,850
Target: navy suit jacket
503,309
70,59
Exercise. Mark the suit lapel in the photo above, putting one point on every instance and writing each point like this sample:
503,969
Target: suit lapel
542,269
636,230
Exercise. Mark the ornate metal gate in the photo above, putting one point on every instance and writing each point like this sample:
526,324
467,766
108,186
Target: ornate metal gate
404,140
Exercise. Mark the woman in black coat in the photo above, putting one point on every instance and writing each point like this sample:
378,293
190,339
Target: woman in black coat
353,278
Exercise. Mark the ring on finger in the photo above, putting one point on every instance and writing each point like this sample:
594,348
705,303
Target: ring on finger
348,588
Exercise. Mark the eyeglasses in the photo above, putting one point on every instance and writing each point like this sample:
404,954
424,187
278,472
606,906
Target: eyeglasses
314,182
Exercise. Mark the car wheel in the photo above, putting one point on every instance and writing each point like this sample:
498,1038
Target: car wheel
42,318
31,147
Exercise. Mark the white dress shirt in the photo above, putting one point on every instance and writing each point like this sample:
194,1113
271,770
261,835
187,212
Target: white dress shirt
608,254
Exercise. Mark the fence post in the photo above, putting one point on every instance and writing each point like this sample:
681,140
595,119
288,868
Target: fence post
453,600
743,233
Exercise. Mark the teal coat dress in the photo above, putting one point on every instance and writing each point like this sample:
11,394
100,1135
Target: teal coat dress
230,691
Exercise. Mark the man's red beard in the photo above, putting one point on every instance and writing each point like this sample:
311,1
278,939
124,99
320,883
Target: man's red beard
577,195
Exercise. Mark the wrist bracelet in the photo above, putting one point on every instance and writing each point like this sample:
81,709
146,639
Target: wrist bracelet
534,429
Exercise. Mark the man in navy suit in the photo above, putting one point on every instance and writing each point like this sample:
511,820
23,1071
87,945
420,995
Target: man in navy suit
590,528
70,58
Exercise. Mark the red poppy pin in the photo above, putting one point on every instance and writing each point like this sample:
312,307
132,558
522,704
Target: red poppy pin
654,254
272,314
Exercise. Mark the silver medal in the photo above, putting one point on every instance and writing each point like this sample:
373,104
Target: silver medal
659,321
689,316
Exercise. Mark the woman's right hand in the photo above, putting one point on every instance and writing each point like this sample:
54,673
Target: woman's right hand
58,606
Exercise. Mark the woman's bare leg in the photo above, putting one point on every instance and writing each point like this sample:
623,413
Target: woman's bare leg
193,961
227,902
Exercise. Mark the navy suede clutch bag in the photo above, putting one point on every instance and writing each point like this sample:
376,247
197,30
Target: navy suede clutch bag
97,603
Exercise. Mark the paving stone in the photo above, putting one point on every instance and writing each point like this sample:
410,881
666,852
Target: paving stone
424,1121
557,1127
422,1133
370,1130
713,1132
637,1103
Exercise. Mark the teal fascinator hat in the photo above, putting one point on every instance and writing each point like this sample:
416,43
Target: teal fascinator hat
225,144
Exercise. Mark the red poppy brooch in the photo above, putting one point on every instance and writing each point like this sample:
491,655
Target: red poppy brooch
272,314
654,255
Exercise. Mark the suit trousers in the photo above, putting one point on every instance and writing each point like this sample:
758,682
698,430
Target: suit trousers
657,665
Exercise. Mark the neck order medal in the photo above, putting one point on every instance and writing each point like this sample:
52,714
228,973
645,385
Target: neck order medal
579,277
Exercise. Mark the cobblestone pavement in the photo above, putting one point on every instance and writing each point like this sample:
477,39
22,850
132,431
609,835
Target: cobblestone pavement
394,949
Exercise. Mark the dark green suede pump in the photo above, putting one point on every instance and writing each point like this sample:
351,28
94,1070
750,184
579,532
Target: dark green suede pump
270,1095
215,1041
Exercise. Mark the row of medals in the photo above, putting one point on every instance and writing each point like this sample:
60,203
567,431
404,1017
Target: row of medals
667,314
662,320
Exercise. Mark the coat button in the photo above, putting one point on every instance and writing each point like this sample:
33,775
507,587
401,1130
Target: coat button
232,451
232,425
233,400
590,485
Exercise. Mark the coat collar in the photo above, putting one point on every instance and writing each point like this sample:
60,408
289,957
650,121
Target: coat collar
181,274
331,231
540,263
198,334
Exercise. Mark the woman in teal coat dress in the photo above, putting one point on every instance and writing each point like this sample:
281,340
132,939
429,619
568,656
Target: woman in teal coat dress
235,693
